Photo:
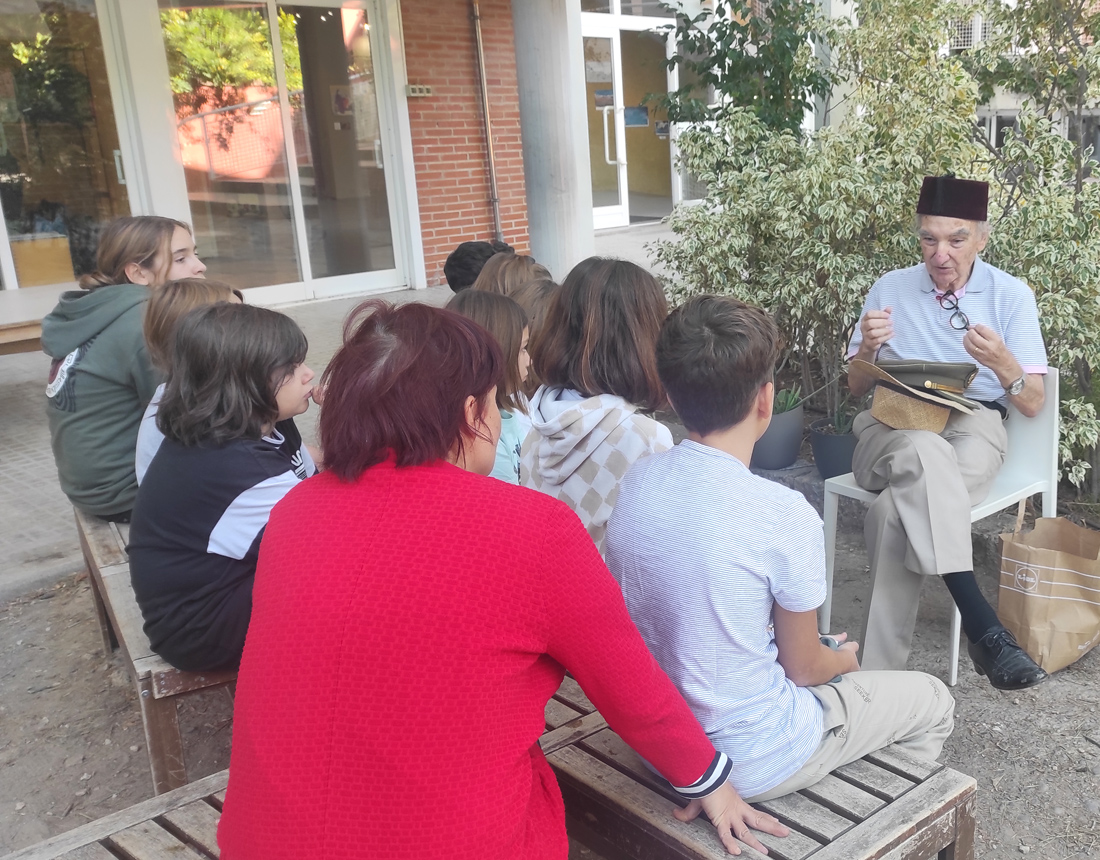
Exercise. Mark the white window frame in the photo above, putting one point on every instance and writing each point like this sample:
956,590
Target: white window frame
153,164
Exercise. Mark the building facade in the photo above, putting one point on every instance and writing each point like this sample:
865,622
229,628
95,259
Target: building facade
326,147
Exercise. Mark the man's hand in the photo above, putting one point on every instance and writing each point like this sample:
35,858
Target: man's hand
877,327
732,817
986,347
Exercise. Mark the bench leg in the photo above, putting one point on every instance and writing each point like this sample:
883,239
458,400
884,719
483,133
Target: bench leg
110,643
162,739
963,846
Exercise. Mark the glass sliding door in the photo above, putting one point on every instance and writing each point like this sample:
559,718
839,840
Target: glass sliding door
231,138
61,174
649,173
338,137
632,144
606,131
283,142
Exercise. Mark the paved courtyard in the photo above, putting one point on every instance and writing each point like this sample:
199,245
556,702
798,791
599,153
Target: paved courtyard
71,743
38,543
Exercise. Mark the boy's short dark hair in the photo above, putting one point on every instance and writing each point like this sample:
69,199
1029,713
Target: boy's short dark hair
466,261
713,355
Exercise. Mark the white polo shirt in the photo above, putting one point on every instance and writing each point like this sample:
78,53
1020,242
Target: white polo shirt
702,549
922,331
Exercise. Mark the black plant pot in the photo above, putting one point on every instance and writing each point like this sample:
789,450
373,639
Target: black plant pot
778,447
832,451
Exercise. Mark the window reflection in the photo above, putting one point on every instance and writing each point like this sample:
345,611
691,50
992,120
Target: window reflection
341,164
61,174
230,131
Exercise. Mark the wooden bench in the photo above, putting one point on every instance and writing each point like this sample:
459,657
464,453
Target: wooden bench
121,624
20,337
887,806
180,824
884,807
21,313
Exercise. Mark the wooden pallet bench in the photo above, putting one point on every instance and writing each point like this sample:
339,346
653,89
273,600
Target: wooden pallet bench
158,684
884,807
181,824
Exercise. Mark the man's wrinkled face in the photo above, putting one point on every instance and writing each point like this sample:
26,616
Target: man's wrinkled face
949,247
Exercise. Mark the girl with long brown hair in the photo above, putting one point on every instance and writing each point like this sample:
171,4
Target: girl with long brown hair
507,323
596,357
101,377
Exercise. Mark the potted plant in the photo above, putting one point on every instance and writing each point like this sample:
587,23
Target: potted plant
832,440
778,447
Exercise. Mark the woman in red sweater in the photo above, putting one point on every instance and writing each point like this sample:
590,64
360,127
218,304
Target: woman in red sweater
412,617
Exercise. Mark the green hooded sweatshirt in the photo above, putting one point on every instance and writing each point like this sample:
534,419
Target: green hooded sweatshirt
100,382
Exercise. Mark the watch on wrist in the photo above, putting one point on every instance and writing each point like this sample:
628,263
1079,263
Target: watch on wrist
1017,386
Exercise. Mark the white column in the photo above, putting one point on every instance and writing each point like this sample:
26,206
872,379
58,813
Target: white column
550,69
152,115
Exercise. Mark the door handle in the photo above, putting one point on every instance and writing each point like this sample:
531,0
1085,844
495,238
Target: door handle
607,143
118,167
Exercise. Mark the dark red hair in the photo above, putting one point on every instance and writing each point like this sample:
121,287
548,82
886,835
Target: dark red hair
399,385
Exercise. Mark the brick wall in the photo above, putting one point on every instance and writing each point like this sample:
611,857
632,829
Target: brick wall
448,136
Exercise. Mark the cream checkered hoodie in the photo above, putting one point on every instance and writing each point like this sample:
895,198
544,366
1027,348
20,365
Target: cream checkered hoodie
579,450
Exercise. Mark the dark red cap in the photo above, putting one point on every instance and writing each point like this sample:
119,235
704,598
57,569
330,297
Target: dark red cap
967,199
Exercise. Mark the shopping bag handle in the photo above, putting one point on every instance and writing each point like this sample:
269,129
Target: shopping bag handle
1020,516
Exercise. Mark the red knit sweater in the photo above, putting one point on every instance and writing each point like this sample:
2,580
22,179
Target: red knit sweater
407,631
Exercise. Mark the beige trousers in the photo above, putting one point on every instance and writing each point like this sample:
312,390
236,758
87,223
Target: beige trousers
920,523
866,711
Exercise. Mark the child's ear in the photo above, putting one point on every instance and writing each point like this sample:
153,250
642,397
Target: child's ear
136,274
765,397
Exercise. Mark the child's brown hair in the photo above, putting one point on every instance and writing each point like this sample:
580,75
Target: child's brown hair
505,320
505,273
167,306
600,334
142,239
714,354
535,297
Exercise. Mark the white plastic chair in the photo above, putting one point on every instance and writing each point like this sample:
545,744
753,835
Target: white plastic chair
1030,466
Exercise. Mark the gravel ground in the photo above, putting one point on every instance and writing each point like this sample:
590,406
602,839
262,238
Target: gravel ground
72,748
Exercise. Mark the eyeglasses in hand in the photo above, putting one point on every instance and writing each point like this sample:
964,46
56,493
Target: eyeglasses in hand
950,302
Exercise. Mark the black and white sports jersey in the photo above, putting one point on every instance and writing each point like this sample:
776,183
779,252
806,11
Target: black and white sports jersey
195,537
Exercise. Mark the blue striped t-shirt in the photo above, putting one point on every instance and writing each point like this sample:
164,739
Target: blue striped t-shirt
922,331
702,549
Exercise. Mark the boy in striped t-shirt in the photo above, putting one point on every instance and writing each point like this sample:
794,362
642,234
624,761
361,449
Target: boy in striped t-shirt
722,571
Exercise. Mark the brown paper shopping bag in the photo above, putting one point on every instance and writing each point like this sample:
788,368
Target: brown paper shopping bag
1050,590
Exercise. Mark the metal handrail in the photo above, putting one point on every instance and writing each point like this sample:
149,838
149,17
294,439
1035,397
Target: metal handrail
238,106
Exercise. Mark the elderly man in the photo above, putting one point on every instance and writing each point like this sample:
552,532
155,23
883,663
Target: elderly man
954,307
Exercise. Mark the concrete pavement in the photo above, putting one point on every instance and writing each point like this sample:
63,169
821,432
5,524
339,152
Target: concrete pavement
38,542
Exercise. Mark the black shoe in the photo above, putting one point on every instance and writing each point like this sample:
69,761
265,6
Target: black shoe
1009,668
